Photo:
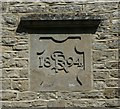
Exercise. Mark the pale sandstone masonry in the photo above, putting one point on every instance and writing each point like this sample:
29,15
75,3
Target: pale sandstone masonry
15,56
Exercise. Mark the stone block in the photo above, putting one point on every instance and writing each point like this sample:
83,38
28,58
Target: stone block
39,104
21,63
4,6
20,47
23,54
85,103
20,85
113,44
27,95
112,55
28,9
6,84
10,20
112,65
8,41
99,56
102,36
115,14
47,95
58,103
99,85
6,104
6,55
94,95
9,96
112,83
23,73
101,74
15,73
10,74
79,103
80,95
65,8
5,48
113,103
99,66
111,93
7,33
9,63
100,46
17,104
114,74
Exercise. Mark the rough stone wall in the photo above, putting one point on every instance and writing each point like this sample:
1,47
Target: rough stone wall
15,57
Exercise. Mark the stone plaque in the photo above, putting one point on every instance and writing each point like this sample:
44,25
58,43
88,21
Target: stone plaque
60,62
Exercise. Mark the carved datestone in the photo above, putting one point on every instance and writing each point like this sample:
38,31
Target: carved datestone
60,62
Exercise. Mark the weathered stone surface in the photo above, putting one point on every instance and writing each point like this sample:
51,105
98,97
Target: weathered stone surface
112,55
47,95
16,54
115,14
6,33
99,66
23,54
23,73
112,83
66,8
115,73
6,84
10,74
85,103
111,65
29,9
20,47
21,63
100,45
112,103
60,16
6,55
104,29
11,20
20,85
113,44
9,96
8,41
6,104
16,104
101,74
27,96
22,41
6,48
15,73
101,36
56,103
80,95
111,93
115,28
4,6
39,103
21,36
99,84
9,63
99,56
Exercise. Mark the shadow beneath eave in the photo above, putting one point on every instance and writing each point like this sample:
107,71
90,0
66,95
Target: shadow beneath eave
58,26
